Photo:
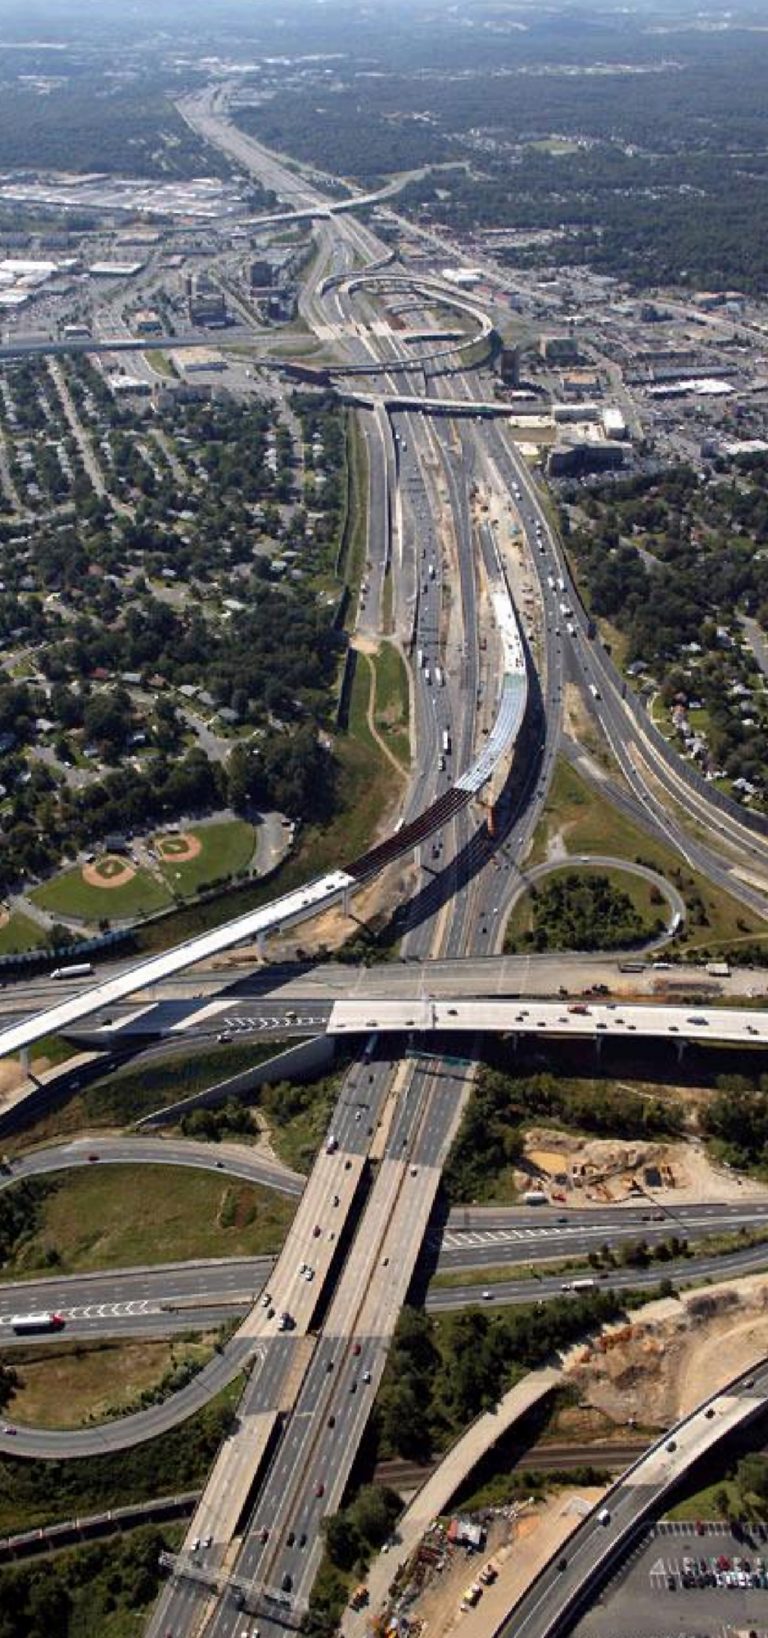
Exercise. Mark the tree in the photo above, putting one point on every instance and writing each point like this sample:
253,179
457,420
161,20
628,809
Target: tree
342,1540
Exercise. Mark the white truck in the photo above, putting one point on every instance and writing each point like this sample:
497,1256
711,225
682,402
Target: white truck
28,1324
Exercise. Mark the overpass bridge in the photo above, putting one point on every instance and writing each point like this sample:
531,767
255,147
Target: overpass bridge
563,1588
336,886
428,1018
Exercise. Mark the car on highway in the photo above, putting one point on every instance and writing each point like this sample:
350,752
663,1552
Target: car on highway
356,1349
320,1489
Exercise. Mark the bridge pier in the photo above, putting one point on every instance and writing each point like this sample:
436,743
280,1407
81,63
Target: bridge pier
681,1046
261,944
24,1061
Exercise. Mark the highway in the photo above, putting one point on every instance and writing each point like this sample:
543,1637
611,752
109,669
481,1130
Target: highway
234,1159
568,1581
347,1263
595,1020
274,1568
168,1297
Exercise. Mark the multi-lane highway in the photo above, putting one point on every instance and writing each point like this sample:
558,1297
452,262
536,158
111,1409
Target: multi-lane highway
168,1297
316,1341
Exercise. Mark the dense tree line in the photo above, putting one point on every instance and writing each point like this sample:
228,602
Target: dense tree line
736,1119
97,125
77,1591
439,1377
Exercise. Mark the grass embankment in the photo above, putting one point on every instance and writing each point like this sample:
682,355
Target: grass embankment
354,540
365,768
35,1493
69,895
125,1096
392,708
117,1216
77,1384
580,817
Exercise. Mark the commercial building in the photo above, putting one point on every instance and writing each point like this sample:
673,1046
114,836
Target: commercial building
587,455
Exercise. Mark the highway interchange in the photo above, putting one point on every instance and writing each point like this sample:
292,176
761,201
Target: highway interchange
350,1254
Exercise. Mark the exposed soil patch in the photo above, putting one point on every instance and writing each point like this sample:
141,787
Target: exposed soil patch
108,872
178,849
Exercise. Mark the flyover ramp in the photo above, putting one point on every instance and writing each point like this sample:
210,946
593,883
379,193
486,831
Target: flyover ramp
435,1496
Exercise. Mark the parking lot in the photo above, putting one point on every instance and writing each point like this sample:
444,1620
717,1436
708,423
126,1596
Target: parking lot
702,1579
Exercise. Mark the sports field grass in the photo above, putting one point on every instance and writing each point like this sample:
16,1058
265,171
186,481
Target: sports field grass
226,847
117,1216
20,933
69,895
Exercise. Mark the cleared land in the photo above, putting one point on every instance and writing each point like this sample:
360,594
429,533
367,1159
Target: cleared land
116,1216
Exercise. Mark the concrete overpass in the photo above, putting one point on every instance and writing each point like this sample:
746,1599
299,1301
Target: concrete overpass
337,886
742,1026
566,1584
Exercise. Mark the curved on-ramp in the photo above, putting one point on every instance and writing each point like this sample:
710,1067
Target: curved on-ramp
606,861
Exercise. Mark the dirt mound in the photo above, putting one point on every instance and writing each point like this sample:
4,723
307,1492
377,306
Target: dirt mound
671,1354
178,849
